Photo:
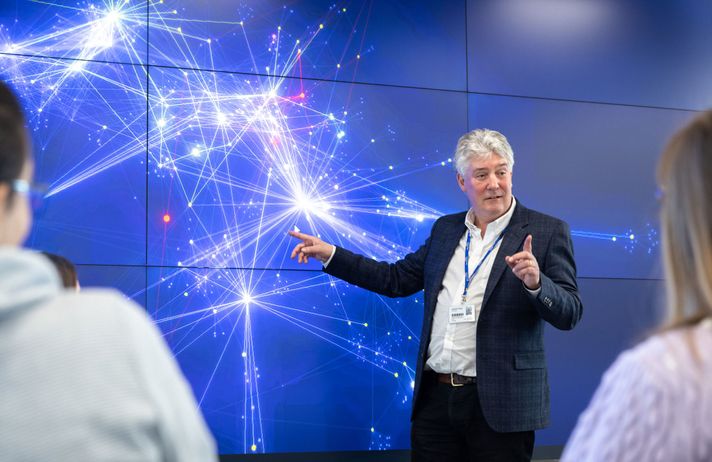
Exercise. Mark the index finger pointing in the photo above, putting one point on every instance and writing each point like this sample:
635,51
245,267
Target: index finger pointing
528,244
297,234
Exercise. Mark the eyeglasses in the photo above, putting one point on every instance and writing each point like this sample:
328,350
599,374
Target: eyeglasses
34,192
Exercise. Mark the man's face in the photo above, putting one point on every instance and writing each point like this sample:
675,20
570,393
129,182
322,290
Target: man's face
487,183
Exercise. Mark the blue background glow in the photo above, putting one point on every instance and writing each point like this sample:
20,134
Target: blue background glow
180,140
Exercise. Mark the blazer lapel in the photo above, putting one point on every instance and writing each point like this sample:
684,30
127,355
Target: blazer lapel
448,241
511,242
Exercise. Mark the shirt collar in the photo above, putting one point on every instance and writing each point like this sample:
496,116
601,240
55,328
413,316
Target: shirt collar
495,227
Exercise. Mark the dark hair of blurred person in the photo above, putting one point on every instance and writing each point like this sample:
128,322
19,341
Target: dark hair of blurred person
83,376
655,401
66,269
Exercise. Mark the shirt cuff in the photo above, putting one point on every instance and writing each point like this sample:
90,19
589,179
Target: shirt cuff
534,292
333,251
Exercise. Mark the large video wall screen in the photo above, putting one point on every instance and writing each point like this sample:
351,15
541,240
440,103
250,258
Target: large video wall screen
180,141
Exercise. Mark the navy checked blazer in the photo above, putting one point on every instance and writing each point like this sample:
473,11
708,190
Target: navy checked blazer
511,368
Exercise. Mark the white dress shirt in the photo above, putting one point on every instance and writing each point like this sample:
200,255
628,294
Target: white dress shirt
452,346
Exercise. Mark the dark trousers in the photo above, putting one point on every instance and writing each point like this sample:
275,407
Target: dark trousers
449,426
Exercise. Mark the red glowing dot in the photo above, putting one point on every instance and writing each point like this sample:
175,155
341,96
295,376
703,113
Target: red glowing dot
166,218
301,95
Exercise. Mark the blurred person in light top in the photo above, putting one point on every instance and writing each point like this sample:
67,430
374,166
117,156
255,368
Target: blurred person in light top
84,377
655,401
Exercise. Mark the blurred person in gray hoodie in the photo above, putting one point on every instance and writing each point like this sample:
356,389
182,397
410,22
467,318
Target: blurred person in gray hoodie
83,377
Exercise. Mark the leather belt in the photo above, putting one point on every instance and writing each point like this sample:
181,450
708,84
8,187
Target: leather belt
456,380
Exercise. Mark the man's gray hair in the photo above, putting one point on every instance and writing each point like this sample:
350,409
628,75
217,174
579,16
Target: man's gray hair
481,144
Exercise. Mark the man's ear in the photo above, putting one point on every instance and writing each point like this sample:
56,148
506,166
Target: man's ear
460,181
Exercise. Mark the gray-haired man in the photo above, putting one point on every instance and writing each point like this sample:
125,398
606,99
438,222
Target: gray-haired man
491,276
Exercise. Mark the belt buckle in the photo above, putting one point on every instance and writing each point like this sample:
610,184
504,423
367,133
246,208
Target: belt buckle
452,381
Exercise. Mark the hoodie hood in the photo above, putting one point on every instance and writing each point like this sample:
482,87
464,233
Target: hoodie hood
26,279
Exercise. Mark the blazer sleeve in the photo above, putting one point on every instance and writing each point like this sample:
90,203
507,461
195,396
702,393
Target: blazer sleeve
558,302
400,279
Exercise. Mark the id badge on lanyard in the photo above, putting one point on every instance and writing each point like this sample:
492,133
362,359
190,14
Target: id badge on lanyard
467,312
462,313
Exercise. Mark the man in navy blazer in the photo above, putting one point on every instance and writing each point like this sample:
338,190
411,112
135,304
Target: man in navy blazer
481,384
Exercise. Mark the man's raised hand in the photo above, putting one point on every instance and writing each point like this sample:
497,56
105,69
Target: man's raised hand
524,265
310,246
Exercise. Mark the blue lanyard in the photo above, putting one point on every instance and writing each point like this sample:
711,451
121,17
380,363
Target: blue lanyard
469,279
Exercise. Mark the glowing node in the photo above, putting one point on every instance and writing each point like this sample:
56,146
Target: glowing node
321,26
614,239
395,374
76,66
190,204
404,363
195,152
390,167
372,430
209,41
161,123
341,134
244,354
338,66
166,218
113,16
358,56
420,218
365,324
632,236
254,447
